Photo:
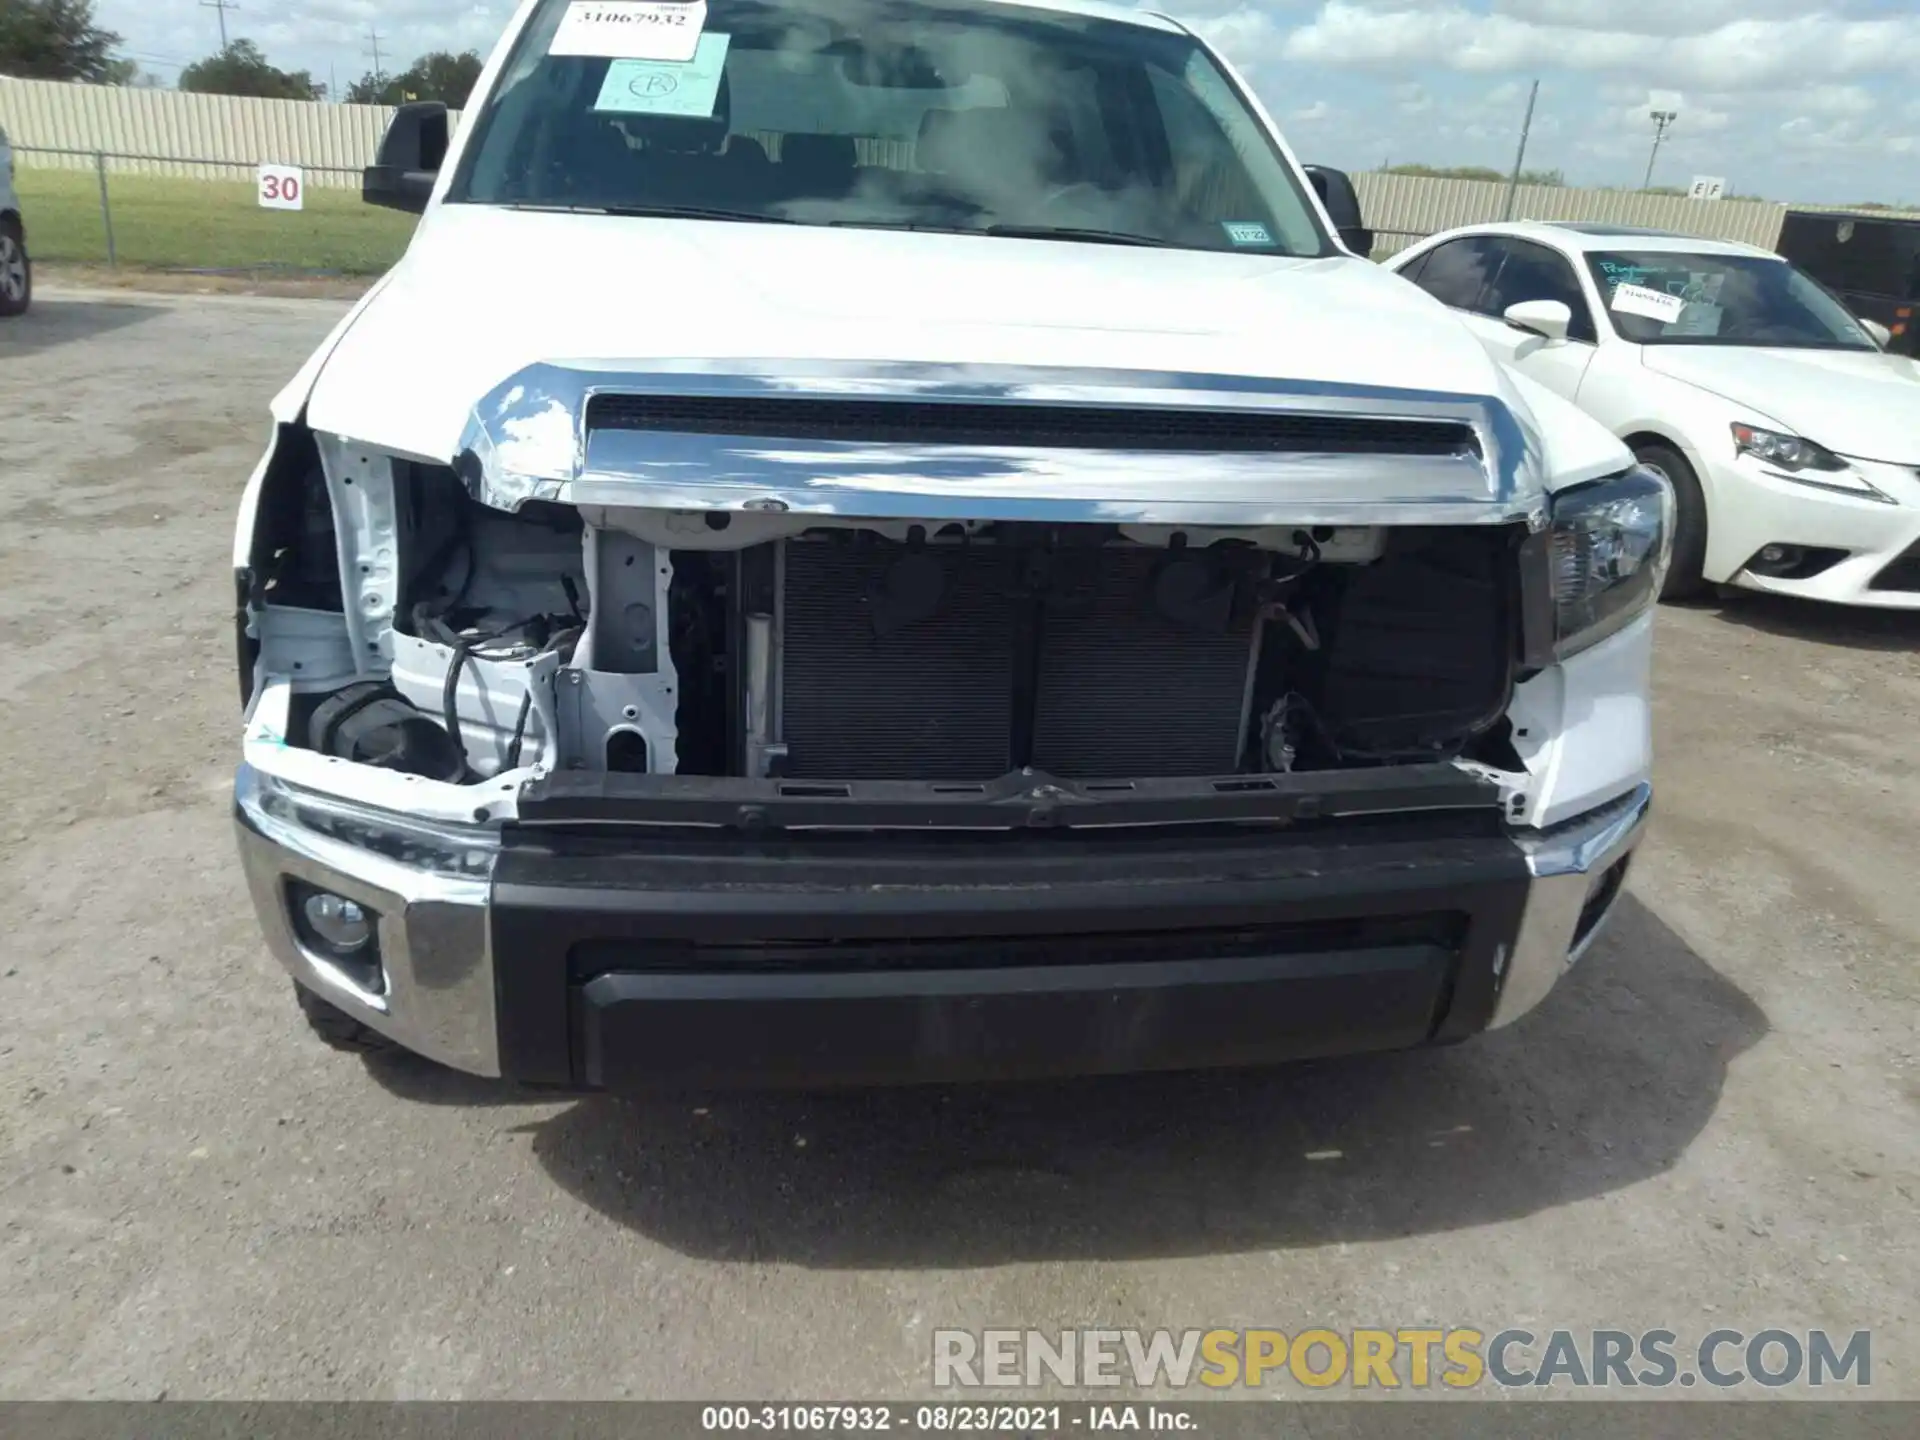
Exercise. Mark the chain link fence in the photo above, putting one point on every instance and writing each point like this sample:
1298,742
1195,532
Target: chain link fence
100,207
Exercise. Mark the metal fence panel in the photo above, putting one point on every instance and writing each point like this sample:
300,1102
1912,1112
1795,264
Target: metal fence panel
195,136
1419,205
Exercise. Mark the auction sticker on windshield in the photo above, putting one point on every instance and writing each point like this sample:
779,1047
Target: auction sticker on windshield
1647,304
662,87
630,30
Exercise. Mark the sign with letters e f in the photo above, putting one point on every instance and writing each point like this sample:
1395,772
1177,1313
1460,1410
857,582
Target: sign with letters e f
1707,187
282,187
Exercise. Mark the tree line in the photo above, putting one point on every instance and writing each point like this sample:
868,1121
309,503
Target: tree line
61,40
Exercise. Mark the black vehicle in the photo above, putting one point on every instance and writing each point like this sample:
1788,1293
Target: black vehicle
1872,262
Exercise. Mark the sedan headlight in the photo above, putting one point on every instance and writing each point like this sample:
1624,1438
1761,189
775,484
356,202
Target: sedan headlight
1610,543
1793,457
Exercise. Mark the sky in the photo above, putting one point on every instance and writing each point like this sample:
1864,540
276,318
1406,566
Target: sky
1792,99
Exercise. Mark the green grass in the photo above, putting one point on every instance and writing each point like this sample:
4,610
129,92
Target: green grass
163,222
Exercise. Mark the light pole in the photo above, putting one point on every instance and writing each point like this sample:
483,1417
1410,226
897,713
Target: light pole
1661,120
1526,126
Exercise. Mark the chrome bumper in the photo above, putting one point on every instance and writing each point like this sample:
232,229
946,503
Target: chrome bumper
427,883
430,885
1569,864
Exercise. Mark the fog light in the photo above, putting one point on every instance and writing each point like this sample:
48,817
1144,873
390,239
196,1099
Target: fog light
1794,562
338,922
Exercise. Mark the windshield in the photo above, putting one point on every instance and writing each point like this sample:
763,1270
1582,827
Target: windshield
954,115
1666,298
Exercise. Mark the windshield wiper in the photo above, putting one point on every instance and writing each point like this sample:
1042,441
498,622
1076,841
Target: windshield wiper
1068,232
662,212
1014,232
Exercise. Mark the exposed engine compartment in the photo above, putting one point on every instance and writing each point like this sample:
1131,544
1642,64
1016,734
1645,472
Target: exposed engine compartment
835,649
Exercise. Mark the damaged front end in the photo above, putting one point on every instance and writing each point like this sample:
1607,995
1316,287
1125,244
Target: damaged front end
734,605
700,598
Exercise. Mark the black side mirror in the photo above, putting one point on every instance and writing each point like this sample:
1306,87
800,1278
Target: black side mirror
403,175
1336,192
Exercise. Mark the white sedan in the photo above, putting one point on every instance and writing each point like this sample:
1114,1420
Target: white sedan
16,270
1791,437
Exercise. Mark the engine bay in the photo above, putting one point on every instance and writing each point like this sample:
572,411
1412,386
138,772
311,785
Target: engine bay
423,633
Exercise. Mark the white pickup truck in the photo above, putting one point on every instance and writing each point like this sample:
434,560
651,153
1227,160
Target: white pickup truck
882,540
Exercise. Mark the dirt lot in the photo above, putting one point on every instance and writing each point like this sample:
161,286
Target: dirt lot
1714,1122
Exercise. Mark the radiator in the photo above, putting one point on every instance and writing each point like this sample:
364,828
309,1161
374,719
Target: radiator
925,702
1126,692
1120,690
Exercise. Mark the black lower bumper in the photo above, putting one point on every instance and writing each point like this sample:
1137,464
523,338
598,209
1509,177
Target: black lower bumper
633,964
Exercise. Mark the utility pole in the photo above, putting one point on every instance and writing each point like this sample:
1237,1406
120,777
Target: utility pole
222,6
1661,120
1526,128
373,39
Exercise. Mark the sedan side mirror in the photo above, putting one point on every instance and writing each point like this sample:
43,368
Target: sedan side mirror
1882,336
1342,202
403,175
1550,318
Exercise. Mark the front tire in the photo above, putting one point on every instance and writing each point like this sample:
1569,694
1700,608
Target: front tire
1684,577
16,269
338,1029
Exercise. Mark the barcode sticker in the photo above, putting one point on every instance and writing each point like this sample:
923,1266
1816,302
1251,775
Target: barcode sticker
630,30
1647,304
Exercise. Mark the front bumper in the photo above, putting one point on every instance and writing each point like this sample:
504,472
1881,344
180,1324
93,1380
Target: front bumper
606,961
1874,545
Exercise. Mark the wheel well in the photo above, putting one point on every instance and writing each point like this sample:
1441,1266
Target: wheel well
1654,437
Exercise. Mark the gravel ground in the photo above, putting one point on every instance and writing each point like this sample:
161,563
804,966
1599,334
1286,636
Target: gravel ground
1713,1122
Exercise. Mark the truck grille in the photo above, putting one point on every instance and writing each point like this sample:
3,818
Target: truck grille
1441,930
1077,427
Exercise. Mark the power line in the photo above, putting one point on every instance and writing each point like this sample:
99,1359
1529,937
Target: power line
222,6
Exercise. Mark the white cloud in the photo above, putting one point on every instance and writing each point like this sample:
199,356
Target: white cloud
1696,118
1836,100
1245,35
1739,54
1650,17
1313,114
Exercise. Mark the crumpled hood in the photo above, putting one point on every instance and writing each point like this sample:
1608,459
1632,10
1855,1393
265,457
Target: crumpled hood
485,292
1861,403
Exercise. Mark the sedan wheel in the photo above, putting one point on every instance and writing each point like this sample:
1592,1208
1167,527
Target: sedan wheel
1690,521
16,272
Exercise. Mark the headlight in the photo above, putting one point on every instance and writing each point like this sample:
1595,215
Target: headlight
1796,458
1610,543
1789,452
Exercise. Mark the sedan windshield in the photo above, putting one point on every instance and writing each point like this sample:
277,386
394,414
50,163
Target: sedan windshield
1658,297
955,115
